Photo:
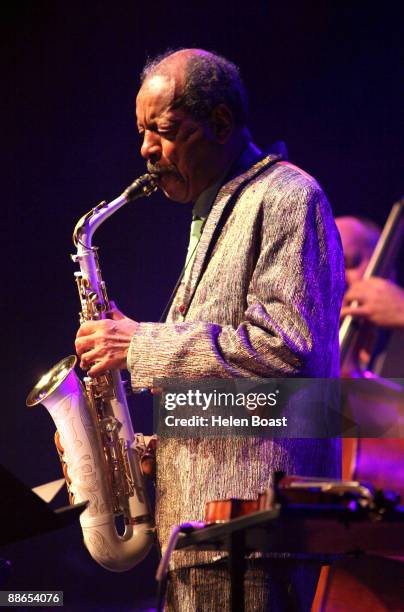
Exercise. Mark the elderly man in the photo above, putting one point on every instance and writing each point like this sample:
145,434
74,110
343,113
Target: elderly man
259,296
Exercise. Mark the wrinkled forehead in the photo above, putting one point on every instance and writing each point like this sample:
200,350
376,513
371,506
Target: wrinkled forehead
156,96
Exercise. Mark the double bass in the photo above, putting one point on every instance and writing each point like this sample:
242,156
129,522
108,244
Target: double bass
365,584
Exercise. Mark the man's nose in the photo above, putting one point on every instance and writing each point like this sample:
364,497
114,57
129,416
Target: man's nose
151,146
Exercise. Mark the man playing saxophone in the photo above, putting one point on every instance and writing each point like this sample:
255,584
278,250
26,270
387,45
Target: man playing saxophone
260,296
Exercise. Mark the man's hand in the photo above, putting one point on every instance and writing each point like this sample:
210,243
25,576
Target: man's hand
103,345
379,301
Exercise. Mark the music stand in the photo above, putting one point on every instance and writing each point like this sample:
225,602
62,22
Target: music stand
23,514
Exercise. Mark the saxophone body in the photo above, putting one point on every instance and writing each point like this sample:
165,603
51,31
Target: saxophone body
97,446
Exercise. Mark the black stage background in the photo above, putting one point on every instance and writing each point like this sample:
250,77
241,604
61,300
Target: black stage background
323,76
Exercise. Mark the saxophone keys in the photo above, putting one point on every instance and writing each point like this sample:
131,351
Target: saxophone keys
66,474
58,444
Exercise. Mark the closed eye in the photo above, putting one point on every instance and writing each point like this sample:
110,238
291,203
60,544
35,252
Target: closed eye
167,132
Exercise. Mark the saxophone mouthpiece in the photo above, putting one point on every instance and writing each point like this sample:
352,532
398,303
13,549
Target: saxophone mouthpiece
143,186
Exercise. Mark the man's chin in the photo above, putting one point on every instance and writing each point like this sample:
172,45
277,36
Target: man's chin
176,196
174,189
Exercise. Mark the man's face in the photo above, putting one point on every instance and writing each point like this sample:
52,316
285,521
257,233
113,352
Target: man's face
180,147
357,246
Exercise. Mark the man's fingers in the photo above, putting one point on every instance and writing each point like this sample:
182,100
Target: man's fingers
97,368
351,295
115,313
355,311
89,358
87,328
90,334
84,344
103,345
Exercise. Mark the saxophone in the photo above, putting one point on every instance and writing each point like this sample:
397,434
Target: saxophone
99,451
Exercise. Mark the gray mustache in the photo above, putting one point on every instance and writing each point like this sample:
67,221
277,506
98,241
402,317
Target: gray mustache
159,170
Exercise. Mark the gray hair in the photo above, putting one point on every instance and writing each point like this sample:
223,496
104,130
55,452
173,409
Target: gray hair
210,80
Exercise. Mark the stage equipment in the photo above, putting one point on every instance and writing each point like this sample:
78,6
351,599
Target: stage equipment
309,520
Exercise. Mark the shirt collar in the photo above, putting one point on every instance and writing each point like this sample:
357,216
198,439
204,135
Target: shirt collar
249,156
204,202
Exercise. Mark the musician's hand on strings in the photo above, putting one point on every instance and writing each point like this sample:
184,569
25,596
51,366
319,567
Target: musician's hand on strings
377,300
103,345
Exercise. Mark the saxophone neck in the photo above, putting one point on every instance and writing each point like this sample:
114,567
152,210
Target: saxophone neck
90,222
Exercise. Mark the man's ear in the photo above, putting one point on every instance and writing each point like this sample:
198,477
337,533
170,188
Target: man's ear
222,123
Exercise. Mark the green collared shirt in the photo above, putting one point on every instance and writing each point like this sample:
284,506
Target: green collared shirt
205,201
